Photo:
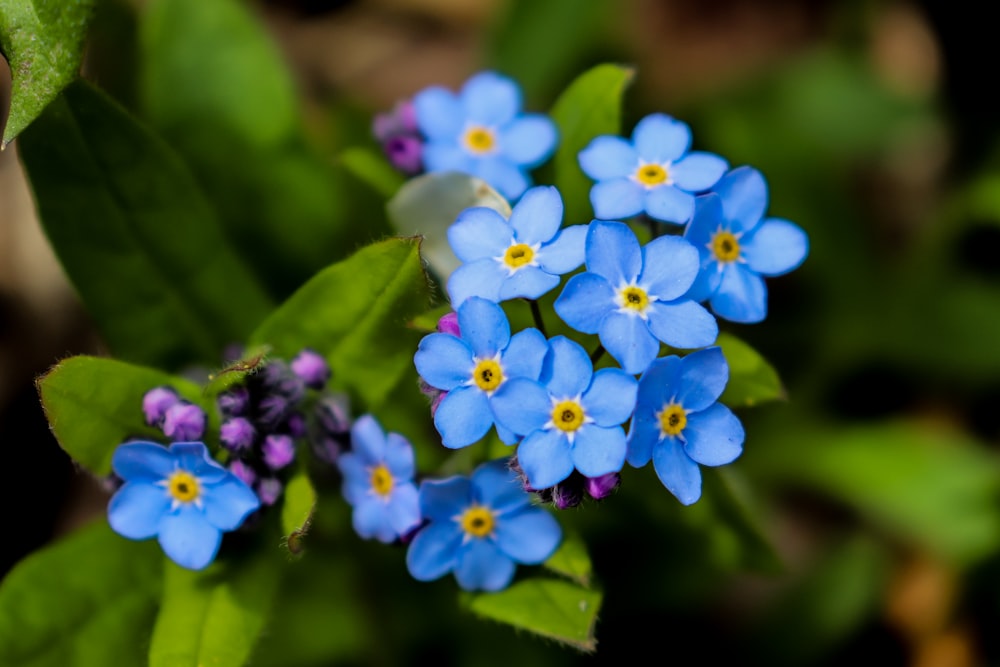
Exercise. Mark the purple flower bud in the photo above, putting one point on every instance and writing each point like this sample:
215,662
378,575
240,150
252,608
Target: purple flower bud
601,487
237,434
279,450
567,494
405,153
401,120
312,368
296,425
184,422
272,410
333,413
156,402
278,378
436,402
449,324
326,449
234,402
243,471
269,490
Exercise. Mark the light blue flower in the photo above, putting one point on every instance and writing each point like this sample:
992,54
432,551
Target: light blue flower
634,297
570,417
378,482
180,495
481,131
738,246
480,528
520,257
654,173
678,423
472,367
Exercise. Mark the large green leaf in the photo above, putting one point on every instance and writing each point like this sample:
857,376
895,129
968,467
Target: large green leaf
88,599
751,379
93,405
571,560
552,608
43,43
589,107
356,314
135,236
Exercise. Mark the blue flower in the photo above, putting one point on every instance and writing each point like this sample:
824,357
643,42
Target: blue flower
472,367
520,257
378,482
738,246
634,297
482,132
570,418
678,423
180,495
480,528
654,173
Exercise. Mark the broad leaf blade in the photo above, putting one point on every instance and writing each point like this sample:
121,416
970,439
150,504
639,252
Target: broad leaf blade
572,560
751,379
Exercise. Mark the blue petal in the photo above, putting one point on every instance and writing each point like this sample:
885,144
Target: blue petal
529,537
669,204
607,158
585,300
702,378
143,460
529,282
529,139
707,283
357,480
642,436
567,370
482,278
403,509
506,436
371,519
136,509
482,566
598,451
367,438
658,384
490,99
443,361
627,338
441,500
743,193
463,417
484,327
617,199
434,550
679,474
525,354
194,457
505,176
741,297
229,502
610,400
479,233
706,221
660,138
537,217
399,457
698,171
521,405
446,157
496,486
669,267
776,247
566,252
684,324
714,436
188,539
439,113
545,457
613,252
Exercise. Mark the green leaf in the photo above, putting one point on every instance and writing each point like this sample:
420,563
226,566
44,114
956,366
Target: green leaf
751,379
548,607
571,560
43,43
214,617
93,405
135,236
356,314
373,169
734,525
87,599
297,509
589,107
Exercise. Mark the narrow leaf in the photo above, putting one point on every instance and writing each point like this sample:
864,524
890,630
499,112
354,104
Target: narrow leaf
751,379
296,509
572,560
373,169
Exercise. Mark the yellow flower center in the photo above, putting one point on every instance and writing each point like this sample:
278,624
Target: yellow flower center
479,139
518,255
183,486
634,298
478,521
725,246
488,375
673,419
567,416
651,175
381,480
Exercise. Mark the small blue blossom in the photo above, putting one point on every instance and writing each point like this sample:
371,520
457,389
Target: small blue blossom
480,528
654,173
738,246
678,423
520,257
471,368
482,132
570,417
179,495
634,297
378,482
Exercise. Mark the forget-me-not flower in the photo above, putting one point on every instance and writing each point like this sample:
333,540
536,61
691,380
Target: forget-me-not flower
634,297
520,257
481,131
480,528
678,423
654,173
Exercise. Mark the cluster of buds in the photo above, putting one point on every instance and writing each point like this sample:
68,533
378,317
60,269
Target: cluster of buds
400,137
571,491
180,420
